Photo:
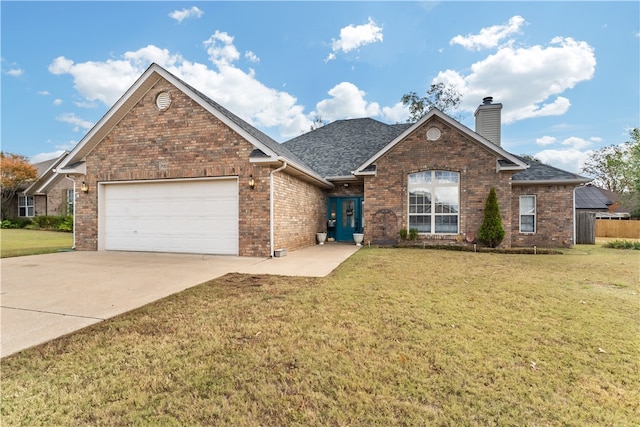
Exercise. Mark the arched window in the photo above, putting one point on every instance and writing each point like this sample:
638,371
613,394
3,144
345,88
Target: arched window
434,202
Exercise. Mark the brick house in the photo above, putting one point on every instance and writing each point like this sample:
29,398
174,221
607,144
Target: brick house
49,194
168,169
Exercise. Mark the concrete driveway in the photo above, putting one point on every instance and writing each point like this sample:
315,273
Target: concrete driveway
46,296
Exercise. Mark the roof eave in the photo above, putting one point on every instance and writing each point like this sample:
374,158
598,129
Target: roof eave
551,181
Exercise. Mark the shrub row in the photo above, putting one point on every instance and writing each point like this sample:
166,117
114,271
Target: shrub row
623,244
43,222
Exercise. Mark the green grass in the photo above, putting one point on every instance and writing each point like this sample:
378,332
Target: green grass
17,242
392,337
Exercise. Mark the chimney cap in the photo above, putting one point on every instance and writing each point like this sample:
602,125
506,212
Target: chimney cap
487,100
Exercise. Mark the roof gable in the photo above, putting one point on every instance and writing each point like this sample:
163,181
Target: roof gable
509,161
273,150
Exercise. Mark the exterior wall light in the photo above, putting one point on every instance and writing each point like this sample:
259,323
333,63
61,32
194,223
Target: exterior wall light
252,183
84,187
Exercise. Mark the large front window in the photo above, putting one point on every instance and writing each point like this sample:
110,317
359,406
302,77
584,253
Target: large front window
434,202
25,206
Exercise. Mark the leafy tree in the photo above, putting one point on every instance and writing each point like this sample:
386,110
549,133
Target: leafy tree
616,167
634,158
317,122
531,158
491,231
15,170
440,95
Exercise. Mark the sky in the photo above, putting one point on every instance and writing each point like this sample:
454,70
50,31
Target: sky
567,73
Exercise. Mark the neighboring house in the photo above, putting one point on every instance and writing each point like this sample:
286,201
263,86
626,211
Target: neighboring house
606,204
49,194
168,169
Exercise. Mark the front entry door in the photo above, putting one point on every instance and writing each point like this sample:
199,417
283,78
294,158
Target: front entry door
348,217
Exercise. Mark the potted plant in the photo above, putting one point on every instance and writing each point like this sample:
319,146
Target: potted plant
358,238
322,237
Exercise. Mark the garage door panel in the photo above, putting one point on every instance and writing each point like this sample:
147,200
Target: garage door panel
171,216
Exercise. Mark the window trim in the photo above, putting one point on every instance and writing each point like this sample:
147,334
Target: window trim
433,185
23,203
533,214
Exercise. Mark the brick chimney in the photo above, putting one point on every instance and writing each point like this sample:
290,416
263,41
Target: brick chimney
488,120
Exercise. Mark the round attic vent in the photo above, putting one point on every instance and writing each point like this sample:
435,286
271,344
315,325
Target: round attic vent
163,101
433,134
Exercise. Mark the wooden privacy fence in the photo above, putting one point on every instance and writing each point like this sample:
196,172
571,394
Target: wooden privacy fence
623,229
585,228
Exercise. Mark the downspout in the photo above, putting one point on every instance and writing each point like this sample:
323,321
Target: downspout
74,210
271,207
575,229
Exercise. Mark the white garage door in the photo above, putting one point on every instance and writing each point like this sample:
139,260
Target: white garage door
190,216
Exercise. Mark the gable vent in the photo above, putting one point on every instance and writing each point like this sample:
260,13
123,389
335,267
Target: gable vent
163,101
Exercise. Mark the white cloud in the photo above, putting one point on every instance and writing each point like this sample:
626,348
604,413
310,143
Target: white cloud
251,57
491,36
15,72
570,159
528,81
41,157
354,36
347,101
221,49
546,140
57,101
43,92
180,15
76,121
396,114
576,143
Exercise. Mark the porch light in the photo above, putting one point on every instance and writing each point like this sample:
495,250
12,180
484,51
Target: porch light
252,183
84,187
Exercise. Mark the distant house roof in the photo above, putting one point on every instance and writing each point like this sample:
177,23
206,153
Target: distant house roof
46,175
589,197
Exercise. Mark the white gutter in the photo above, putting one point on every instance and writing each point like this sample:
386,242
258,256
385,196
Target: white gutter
271,207
575,226
75,196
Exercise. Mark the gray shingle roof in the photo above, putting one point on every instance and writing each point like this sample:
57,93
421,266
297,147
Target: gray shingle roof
340,147
590,197
540,172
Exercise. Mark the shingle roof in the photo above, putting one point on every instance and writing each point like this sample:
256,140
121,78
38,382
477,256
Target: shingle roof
338,148
538,172
590,197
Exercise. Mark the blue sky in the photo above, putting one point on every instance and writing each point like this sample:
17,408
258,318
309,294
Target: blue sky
567,73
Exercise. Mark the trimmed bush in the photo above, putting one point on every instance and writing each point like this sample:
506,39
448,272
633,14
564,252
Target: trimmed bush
491,231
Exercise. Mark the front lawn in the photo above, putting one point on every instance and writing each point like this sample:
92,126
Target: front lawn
392,337
19,242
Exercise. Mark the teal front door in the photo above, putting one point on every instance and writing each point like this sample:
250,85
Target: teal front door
347,212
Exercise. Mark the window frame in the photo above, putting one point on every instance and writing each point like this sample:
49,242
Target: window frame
71,201
533,214
429,206
23,204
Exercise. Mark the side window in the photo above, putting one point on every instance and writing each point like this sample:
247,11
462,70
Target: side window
527,214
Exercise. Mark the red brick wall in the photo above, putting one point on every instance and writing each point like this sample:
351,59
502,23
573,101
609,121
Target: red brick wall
554,228
56,200
299,212
184,141
454,151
